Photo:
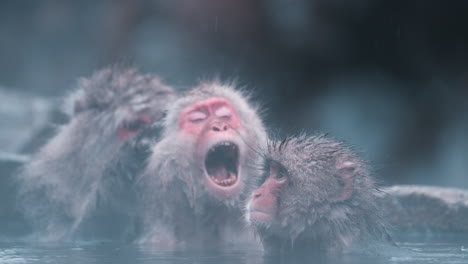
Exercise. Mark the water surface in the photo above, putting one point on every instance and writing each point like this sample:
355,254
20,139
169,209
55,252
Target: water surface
415,249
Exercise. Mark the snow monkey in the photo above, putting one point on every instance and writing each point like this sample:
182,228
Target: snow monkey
199,173
86,171
316,196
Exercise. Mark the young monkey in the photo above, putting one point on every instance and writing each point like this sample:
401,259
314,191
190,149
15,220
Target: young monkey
316,196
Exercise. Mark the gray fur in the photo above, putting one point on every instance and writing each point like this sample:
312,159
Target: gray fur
179,209
310,215
85,165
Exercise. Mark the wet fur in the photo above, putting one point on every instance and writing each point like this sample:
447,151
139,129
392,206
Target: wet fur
84,171
310,218
179,210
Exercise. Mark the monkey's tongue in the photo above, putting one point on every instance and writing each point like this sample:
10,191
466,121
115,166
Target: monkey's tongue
220,175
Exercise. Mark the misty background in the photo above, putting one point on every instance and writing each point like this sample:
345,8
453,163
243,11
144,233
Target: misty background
388,76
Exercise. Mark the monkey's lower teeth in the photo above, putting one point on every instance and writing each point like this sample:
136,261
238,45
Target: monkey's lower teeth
226,182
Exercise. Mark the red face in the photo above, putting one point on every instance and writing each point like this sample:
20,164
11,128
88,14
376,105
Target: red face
214,123
129,127
263,205
132,127
215,114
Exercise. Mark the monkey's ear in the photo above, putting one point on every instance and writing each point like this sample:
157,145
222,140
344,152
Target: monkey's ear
345,173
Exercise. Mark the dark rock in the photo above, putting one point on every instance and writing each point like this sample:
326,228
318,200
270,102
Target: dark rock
425,208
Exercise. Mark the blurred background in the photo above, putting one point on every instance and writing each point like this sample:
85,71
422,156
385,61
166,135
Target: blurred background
388,76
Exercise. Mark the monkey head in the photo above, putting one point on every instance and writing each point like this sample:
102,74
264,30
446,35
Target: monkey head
209,136
88,167
215,123
123,100
314,189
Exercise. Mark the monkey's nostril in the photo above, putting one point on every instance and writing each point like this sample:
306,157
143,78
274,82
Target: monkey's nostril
219,127
257,195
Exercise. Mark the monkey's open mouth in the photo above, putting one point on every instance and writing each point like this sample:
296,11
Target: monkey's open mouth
221,163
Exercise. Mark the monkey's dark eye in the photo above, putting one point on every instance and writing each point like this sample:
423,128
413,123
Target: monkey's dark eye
277,171
280,175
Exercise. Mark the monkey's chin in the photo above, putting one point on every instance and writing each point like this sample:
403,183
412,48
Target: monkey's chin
259,217
223,192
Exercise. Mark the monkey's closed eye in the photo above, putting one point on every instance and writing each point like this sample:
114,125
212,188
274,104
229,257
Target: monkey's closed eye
226,117
197,116
135,125
198,120
223,112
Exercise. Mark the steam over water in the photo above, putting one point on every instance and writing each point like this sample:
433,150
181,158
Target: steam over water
389,77
450,249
